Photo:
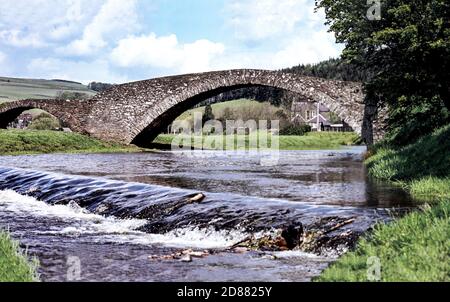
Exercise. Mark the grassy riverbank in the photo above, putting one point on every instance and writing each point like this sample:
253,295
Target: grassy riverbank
417,246
310,141
14,265
16,142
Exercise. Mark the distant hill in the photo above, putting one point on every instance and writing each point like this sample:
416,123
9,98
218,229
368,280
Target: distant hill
66,81
16,89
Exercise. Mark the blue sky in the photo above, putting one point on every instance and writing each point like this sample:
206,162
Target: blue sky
125,40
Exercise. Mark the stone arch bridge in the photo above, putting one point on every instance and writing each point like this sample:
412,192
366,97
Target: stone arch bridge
137,112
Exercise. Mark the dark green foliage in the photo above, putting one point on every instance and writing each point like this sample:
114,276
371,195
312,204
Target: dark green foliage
406,56
100,87
334,69
421,120
209,115
295,130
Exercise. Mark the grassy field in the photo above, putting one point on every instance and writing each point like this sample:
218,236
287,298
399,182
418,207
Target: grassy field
417,246
16,89
311,141
14,264
16,142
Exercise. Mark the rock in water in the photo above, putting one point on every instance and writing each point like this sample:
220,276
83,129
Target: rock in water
186,258
197,198
292,235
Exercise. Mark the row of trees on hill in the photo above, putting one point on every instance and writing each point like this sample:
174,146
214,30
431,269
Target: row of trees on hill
334,69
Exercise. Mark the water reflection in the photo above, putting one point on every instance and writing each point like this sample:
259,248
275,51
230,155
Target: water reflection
321,177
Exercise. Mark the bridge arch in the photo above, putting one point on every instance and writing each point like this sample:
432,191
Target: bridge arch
147,107
66,111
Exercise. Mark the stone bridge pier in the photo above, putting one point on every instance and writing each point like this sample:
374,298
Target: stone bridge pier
135,113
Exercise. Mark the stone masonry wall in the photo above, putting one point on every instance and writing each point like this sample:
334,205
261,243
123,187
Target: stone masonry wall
137,112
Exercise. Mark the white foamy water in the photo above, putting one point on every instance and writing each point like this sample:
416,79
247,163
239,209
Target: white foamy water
295,254
78,222
186,237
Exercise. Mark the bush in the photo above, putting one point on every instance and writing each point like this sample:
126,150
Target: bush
44,121
292,130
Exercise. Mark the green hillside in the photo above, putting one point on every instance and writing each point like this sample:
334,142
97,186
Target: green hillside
16,89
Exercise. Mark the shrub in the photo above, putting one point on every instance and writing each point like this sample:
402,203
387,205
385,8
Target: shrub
44,121
295,130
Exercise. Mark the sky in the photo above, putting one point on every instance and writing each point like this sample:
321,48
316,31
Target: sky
118,41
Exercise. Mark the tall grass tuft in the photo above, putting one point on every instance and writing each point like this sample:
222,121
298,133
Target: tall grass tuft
14,263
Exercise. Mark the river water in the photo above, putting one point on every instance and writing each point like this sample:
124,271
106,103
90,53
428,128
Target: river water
120,217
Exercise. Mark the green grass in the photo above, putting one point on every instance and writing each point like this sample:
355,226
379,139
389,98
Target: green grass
14,264
430,189
16,89
417,246
16,142
318,140
427,157
311,141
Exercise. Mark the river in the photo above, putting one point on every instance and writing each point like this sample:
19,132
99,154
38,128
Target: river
122,217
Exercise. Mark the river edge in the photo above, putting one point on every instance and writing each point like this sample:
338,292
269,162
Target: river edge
26,142
414,247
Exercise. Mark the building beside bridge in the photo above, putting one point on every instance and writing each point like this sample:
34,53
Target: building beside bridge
318,116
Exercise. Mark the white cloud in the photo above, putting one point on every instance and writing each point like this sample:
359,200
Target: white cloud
3,60
5,64
115,18
87,40
38,23
307,49
254,20
81,71
17,38
166,52
288,32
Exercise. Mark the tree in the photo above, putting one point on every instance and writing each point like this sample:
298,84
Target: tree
100,87
209,115
406,55
334,69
